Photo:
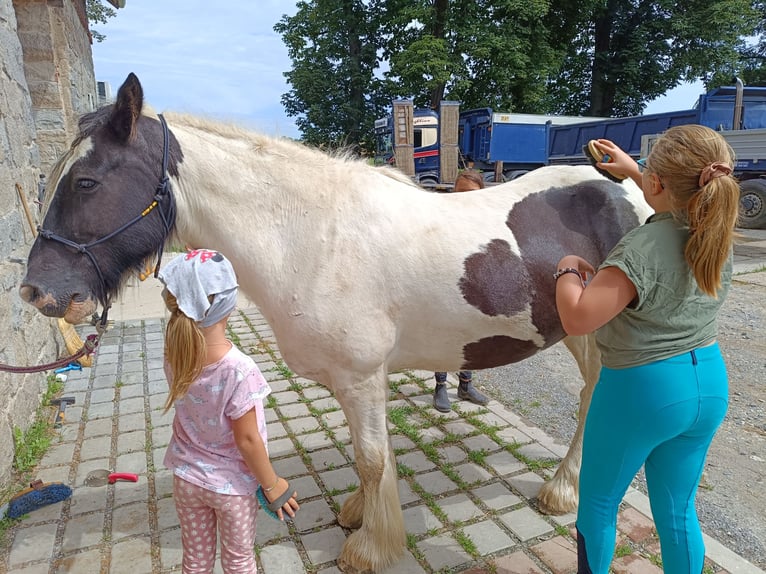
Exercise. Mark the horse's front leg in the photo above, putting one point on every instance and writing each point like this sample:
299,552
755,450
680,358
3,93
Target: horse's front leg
559,494
374,508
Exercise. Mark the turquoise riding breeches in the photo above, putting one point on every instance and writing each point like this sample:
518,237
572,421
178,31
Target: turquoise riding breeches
662,415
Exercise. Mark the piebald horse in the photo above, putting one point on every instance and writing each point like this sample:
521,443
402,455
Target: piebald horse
359,272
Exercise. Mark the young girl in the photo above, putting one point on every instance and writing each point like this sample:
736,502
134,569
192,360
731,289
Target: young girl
663,388
218,450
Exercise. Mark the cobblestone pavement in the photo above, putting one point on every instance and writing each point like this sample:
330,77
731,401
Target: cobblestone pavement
468,479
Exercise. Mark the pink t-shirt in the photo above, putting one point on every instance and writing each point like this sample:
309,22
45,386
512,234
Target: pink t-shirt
202,449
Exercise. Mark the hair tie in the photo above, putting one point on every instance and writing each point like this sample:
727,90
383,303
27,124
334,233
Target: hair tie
715,169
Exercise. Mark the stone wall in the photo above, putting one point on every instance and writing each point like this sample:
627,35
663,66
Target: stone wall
47,79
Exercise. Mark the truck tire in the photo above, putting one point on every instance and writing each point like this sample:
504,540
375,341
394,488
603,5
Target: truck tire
752,204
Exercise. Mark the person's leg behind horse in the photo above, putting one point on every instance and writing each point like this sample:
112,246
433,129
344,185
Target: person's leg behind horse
198,527
674,468
441,400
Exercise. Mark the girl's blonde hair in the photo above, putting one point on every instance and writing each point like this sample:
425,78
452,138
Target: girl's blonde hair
711,209
184,350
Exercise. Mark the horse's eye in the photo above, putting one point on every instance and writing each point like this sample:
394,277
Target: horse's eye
85,184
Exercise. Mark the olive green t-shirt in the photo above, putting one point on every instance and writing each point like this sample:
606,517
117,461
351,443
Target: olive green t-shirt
670,315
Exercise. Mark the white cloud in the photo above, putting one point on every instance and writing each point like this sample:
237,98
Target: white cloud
219,59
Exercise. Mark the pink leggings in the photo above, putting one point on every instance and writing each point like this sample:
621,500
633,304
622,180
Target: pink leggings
199,511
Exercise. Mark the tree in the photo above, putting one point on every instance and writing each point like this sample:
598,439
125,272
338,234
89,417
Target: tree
98,13
481,52
576,57
620,54
334,95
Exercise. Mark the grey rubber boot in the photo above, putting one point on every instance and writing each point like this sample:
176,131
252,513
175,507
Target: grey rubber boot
441,400
467,392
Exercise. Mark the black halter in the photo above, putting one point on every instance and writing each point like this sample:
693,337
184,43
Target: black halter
162,192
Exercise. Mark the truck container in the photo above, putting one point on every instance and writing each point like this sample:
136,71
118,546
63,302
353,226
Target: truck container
507,145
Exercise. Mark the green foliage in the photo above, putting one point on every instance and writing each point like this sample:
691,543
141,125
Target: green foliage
589,57
98,13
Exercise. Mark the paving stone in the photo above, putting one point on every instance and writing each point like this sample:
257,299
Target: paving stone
504,463
82,531
289,467
86,499
275,430
131,422
131,441
442,552
339,479
334,419
480,443
405,565
97,447
516,563
471,473
134,462
32,543
296,410
459,428
459,508
512,435
102,396
58,454
559,554
324,545
43,568
528,484
525,523
129,520
329,458
313,441
451,454
435,482
89,561
302,425
286,397
406,494
313,514
496,496
281,558
488,537
171,552
132,556
535,451
419,519
636,526
306,486
634,564
400,442
415,461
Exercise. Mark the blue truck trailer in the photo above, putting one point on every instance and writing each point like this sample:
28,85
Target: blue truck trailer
512,144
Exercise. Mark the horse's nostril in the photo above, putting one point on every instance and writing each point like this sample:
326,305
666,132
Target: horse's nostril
29,293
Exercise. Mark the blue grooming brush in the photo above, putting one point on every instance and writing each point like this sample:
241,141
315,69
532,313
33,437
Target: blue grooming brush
272,507
38,494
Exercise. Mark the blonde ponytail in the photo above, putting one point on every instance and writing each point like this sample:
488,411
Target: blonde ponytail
184,350
694,164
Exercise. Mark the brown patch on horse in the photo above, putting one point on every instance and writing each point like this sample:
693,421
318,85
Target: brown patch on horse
495,280
496,351
586,219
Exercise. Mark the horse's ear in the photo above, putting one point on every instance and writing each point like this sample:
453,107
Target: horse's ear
127,108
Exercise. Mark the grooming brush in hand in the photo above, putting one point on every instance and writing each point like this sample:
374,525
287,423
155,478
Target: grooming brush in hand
595,156
38,494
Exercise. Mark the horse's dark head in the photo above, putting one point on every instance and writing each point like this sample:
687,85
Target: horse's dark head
105,183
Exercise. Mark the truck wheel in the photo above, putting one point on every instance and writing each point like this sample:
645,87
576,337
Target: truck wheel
752,204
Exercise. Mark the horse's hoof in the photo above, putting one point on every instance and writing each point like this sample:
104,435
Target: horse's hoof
555,501
361,556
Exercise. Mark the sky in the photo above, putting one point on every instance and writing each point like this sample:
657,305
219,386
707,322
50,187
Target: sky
224,60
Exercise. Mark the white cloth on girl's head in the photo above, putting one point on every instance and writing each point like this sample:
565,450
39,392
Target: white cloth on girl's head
195,275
